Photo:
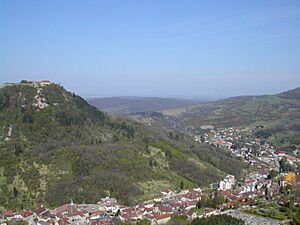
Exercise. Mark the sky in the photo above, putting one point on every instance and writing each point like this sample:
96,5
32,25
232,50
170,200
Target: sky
168,48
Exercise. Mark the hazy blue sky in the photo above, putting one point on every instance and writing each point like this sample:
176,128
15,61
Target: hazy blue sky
153,48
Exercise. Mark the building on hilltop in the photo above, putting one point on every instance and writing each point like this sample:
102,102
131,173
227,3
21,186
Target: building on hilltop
41,83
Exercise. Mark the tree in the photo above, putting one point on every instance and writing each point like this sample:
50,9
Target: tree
27,118
18,149
15,192
181,185
284,166
118,213
218,220
151,163
202,203
178,220
202,139
290,178
169,154
272,174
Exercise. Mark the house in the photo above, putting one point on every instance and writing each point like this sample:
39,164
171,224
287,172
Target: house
98,214
8,214
9,84
227,183
26,214
75,216
291,159
41,211
70,212
223,143
280,152
62,220
63,209
209,212
219,142
161,219
168,193
224,185
198,190
102,221
26,83
109,204
43,83
88,209
41,222
132,215
164,209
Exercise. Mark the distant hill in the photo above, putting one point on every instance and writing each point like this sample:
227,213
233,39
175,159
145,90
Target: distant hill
55,146
279,114
128,105
291,94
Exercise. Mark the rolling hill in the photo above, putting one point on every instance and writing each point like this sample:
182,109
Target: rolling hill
55,146
129,105
279,115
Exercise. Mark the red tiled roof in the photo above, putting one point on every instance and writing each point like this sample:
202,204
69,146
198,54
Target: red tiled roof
8,213
280,152
149,216
189,212
40,210
102,221
74,213
291,158
163,208
26,214
220,142
64,208
100,212
63,221
162,216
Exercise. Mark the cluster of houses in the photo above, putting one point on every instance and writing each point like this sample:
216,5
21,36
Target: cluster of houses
255,184
226,138
108,211
261,160
158,210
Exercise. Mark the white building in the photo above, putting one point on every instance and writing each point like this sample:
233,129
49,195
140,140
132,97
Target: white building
227,183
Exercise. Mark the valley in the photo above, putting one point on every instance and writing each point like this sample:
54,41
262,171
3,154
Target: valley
148,166
128,105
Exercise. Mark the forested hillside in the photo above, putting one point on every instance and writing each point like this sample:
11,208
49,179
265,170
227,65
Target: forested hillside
278,116
55,147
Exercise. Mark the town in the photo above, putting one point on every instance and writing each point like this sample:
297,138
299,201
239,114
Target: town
267,179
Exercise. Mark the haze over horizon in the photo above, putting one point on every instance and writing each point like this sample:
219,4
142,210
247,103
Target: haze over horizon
195,49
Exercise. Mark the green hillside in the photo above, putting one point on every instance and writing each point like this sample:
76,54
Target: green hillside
278,114
55,147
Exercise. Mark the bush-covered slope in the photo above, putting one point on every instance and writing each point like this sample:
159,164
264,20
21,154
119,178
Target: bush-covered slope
55,147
